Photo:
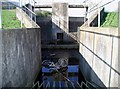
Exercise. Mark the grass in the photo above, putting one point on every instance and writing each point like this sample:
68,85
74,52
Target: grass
110,20
9,20
44,14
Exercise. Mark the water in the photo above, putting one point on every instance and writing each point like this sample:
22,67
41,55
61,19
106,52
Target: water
67,77
60,79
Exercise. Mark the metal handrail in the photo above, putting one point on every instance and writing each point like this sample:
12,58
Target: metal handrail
19,6
23,9
39,87
93,84
82,83
87,82
30,10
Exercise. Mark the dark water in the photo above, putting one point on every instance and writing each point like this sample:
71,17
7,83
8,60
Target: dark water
69,77
57,79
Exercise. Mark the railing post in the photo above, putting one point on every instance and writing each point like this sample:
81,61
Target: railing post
119,15
35,18
20,1
1,45
31,18
99,17
88,15
85,14
0,15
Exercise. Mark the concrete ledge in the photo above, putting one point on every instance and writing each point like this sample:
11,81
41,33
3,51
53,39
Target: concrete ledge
74,46
101,30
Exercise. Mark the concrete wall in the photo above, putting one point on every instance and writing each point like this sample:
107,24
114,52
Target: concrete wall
74,23
45,24
60,20
26,20
0,59
60,16
21,56
99,48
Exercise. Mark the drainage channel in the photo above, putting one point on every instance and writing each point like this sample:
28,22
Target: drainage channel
60,70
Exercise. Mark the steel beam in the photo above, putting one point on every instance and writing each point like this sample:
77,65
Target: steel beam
70,6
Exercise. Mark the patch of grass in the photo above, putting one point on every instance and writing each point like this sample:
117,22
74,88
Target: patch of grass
111,20
44,14
9,20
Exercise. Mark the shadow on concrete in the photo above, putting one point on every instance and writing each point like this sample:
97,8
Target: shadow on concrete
49,35
75,22
119,52
90,72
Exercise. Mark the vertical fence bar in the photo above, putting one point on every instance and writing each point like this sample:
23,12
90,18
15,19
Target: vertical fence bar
99,17
88,19
0,15
0,45
20,2
35,18
31,17
119,15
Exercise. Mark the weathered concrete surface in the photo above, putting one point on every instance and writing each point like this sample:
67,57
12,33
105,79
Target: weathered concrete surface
21,56
61,46
99,48
0,59
74,23
45,24
60,20
26,20
60,16
119,14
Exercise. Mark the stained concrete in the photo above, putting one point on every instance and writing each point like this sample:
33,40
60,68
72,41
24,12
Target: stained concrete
74,23
60,19
99,50
21,56
0,59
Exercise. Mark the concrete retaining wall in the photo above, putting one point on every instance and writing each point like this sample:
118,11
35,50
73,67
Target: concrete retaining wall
21,56
0,59
99,48
74,23
26,20
60,20
45,24
60,16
